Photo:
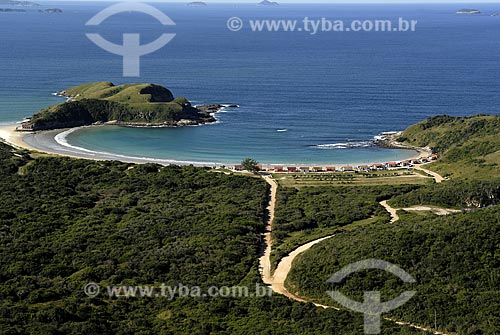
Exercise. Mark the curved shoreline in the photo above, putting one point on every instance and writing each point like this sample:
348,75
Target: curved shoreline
54,142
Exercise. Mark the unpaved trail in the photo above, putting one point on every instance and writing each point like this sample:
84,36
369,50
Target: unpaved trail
433,209
277,280
265,259
391,210
437,177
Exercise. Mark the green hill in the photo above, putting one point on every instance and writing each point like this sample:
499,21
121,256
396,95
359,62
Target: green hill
130,104
127,93
470,146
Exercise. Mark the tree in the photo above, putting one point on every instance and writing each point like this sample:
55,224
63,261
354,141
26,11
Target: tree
250,164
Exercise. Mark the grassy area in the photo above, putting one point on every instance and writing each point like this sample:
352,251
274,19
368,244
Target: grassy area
470,146
392,177
127,93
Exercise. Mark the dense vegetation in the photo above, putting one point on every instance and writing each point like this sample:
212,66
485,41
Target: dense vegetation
64,223
455,260
131,103
470,146
302,212
452,194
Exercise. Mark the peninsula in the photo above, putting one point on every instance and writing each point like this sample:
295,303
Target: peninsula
468,11
134,105
18,3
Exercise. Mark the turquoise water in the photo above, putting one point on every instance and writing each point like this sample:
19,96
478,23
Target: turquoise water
332,92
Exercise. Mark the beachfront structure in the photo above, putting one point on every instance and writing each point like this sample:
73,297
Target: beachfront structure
377,166
364,168
317,169
331,169
279,169
304,169
239,168
391,164
291,169
347,169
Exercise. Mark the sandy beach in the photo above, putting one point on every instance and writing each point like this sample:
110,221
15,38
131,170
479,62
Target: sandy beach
15,138
47,142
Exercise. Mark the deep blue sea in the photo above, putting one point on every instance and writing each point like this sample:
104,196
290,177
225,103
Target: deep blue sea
328,93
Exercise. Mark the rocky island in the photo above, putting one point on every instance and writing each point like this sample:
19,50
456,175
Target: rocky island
468,11
197,4
134,105
268,3
50,11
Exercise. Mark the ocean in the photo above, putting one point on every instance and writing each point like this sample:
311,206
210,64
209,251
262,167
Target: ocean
303,98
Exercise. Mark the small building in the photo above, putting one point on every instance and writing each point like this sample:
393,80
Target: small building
239,168
414,161
378,166
422,160
364,168
347,169
291,169
331,169
317,169
279,169
304,169
433,157
404,163
391,164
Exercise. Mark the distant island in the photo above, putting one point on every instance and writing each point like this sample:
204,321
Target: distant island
468,11
18,3
134,105
11,10
268,3
498,14
50,10
197,4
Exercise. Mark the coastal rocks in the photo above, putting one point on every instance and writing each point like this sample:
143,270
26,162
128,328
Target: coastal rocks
210,108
